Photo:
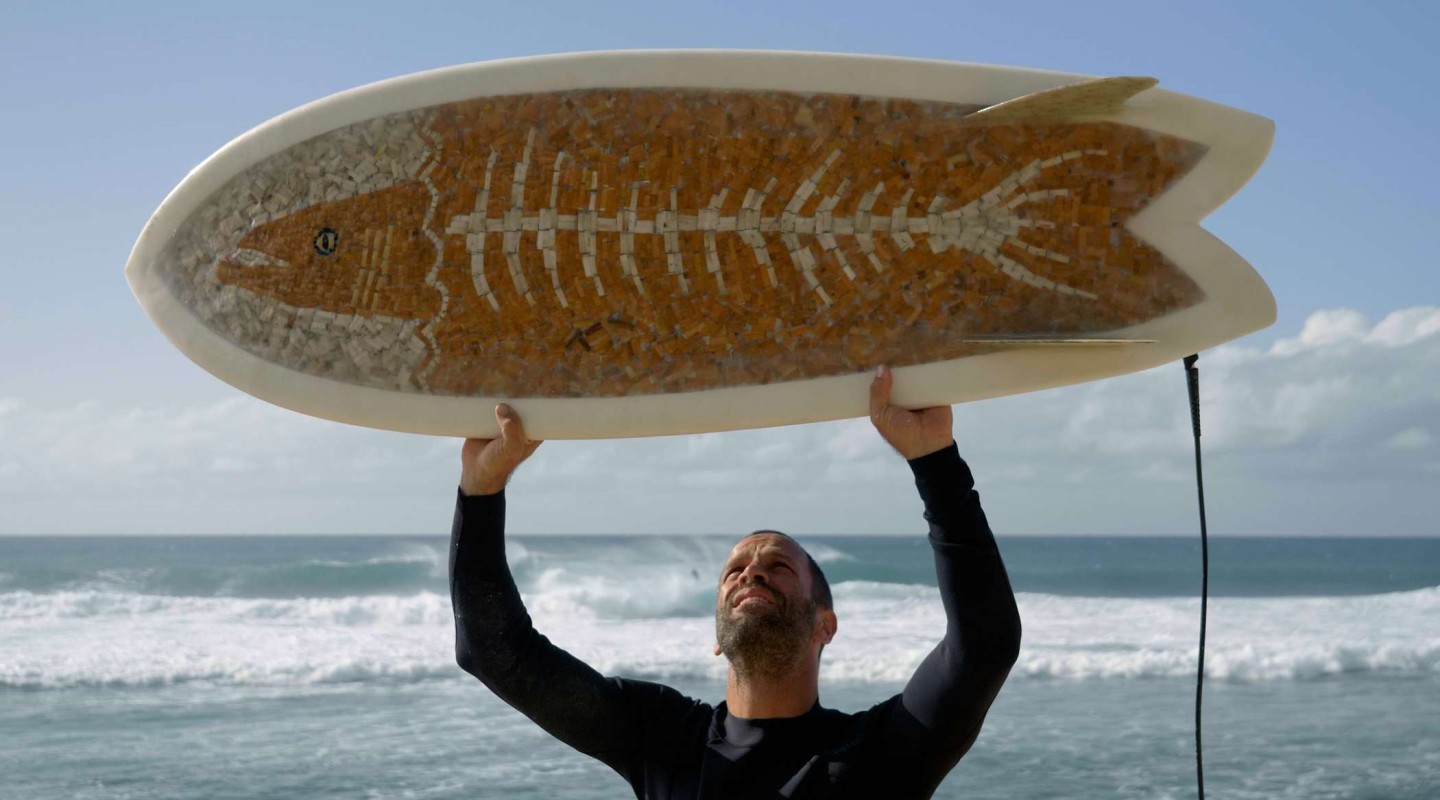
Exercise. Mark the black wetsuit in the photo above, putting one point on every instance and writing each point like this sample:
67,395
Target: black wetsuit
671,746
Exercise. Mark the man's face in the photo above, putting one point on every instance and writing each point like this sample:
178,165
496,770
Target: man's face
764,616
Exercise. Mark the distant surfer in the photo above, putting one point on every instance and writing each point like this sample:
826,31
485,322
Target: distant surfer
773,617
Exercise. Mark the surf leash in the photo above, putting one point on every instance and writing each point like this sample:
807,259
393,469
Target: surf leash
1192,379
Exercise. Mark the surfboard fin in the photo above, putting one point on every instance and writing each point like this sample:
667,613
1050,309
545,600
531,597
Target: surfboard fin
1092,98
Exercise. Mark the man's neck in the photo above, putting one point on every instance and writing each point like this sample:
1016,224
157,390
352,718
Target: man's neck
789,695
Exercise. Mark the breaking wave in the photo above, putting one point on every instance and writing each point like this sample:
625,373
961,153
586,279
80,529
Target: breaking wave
662,629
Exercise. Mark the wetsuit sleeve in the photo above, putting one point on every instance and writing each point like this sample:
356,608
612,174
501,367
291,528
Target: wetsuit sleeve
942,707
619,722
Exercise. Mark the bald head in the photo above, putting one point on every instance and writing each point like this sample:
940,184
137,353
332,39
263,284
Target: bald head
819,585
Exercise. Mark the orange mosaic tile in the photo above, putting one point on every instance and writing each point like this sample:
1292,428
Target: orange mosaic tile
607,243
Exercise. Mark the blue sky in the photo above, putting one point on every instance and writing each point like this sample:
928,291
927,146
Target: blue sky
1327,422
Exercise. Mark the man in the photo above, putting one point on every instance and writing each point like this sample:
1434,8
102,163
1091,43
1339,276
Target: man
770,737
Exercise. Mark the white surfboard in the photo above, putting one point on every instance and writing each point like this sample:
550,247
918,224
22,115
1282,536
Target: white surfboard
648,243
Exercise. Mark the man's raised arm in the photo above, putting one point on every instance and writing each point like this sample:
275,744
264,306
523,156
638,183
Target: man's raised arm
495,640
946,700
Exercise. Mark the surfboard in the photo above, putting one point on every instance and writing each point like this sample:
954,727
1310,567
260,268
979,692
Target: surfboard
650,243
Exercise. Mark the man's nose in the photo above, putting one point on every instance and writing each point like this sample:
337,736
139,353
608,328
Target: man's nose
754,573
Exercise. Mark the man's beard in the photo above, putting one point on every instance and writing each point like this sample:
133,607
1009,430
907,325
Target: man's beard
766,645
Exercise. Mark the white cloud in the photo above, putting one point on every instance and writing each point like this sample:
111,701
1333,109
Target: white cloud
243,442
1410,439
1344,400
853,440
1314,404
1326,327
1407,326
1345,326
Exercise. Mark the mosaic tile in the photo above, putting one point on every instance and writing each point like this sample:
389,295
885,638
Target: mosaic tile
609,243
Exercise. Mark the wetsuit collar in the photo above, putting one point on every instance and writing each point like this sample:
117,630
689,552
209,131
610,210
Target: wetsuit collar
744,733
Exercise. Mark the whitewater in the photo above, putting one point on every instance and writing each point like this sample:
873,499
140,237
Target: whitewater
260,645
150,640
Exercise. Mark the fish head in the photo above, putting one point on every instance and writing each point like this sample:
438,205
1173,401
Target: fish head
332,256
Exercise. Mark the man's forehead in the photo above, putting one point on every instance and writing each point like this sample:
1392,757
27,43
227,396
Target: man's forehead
766,542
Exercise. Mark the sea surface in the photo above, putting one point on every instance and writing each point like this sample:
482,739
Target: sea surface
323,667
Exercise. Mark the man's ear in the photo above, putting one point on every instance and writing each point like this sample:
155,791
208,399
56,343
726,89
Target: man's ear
717,648
829,624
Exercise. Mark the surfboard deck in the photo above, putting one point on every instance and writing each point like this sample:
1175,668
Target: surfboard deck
649,243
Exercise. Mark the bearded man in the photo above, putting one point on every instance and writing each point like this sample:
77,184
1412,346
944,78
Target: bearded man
770,738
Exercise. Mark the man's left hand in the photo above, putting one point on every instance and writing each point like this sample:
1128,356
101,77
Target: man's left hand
912,433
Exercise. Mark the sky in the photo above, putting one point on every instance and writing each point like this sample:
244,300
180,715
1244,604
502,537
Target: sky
1327,423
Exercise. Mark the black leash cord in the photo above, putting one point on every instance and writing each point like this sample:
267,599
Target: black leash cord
1192,378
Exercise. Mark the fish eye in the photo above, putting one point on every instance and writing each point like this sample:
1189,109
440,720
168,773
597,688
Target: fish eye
326,241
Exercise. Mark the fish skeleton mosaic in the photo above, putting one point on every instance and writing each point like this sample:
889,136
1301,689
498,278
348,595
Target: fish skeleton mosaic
596,243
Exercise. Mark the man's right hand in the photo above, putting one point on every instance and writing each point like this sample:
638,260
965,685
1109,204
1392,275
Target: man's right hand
486,464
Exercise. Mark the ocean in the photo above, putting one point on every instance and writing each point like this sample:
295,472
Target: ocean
323,667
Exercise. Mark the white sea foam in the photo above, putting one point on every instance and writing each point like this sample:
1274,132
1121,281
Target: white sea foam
825,554
109,638
558,593
418,555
